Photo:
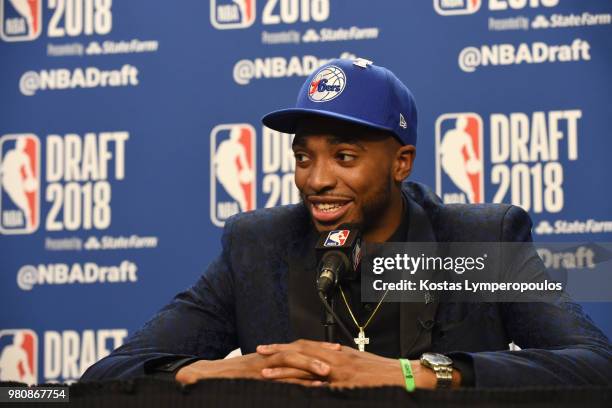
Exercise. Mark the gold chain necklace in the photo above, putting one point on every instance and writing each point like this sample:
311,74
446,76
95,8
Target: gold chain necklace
361,340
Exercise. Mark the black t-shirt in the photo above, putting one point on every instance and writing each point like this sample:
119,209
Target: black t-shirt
383,330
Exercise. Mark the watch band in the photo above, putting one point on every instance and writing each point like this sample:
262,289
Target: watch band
444,374
442,367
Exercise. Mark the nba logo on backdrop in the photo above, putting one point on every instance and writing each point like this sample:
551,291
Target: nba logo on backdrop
19,356
232,171
20,20
459,158
456,7
19,183
226,14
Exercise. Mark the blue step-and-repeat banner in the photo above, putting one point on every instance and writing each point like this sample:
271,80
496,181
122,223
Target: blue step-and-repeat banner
130,131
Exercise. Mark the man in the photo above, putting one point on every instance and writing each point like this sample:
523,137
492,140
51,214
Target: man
355,126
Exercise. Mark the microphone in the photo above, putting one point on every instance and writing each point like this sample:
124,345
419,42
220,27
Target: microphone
338,257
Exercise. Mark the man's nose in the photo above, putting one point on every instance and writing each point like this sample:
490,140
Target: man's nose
322,176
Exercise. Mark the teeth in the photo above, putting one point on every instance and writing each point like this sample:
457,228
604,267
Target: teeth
327,206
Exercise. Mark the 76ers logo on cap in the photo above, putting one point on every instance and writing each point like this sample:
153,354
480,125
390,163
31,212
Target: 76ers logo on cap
19,356
327,84
227,14
232,171
336,238
459,158
20,20
456,7
19,183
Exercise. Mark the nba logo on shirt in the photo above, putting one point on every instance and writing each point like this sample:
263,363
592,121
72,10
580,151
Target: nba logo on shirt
19,356
20,20
227,14
459,158
232,171
456,7
19,183
336,238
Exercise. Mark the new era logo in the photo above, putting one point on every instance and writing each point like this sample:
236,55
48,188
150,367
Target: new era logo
403,123
336,238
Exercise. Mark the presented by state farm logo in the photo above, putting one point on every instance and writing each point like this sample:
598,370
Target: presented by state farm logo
500,19
327,84
286,15
22,20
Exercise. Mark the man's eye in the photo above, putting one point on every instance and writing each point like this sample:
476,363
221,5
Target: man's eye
345,157
300,157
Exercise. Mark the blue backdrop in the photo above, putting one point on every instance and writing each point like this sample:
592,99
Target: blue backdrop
121,121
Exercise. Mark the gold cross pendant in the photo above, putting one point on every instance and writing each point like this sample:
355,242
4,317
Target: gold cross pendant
362,340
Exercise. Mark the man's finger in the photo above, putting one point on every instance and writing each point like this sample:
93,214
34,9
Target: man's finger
300,345
278,373
292,359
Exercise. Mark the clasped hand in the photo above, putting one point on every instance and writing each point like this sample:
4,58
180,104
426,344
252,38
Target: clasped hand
306,362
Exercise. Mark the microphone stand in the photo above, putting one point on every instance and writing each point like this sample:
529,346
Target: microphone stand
329,322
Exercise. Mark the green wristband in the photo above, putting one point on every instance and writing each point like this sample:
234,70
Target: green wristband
408,377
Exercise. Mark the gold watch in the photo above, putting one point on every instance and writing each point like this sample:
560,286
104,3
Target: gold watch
441,365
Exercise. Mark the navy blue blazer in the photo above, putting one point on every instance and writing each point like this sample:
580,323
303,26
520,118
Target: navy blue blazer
242,301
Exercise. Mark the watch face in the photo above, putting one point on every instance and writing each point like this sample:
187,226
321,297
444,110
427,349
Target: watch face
437,359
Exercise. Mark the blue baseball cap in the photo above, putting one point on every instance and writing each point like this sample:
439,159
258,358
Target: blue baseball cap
355,91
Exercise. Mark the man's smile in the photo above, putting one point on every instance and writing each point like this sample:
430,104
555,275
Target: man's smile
328,209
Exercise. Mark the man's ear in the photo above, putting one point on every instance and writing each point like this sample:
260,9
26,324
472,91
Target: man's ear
404,159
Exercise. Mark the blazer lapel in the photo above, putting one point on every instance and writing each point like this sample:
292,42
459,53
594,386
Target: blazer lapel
417,319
